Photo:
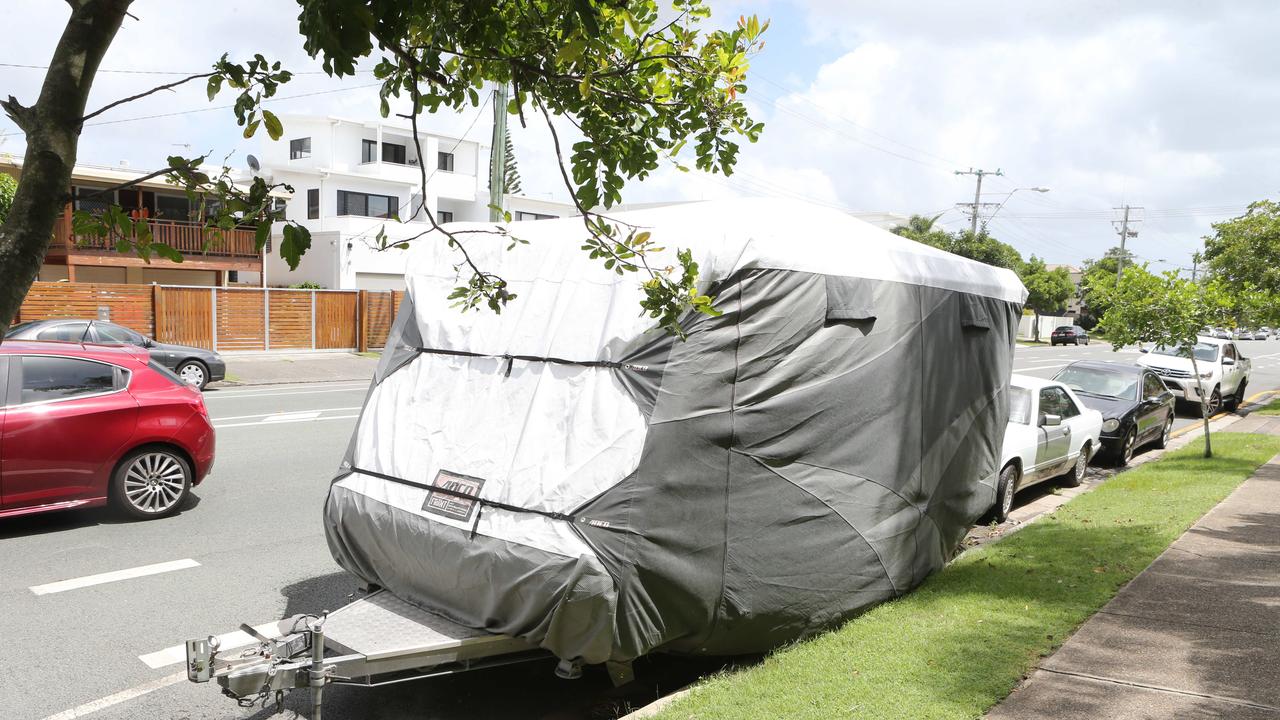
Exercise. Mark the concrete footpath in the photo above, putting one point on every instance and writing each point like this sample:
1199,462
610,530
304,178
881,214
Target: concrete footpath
1195,635
272,368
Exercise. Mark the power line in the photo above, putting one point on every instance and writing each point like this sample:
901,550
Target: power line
845,119
157,72
976,206
775,103
215,107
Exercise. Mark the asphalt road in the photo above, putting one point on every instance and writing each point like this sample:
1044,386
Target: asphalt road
251,549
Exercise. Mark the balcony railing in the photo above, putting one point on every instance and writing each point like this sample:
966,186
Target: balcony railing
187,237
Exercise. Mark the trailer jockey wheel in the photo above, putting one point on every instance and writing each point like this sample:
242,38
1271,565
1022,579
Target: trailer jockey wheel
569,669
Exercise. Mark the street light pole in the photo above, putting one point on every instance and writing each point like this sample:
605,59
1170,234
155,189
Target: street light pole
1006,199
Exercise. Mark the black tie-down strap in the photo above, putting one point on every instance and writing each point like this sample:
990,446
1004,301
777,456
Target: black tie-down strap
535,358
483,502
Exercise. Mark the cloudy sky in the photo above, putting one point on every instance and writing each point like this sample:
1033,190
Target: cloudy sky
869,106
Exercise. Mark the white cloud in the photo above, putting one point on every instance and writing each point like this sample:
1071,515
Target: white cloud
1166,105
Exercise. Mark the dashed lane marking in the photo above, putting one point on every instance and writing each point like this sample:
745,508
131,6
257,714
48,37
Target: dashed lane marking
113,576
284,421
226,641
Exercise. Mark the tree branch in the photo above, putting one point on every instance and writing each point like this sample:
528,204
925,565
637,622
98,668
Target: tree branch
152,91
21,115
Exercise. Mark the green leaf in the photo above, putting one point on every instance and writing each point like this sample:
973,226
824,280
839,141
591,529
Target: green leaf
167,252
296,242
274,129
250,129
262,234
215,85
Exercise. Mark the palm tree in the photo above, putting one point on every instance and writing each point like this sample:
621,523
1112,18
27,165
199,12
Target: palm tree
917,226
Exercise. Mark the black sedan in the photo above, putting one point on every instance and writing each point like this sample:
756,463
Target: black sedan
1136,407
1073,334
195,365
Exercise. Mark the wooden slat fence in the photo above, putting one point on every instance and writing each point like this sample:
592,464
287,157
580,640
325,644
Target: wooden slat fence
291,318
184,316
379,312
336,320
225,319
128,305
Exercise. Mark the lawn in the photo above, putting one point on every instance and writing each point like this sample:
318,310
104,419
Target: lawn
962,641
1272,408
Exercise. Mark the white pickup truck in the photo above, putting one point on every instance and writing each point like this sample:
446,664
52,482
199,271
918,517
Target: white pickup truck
1224,372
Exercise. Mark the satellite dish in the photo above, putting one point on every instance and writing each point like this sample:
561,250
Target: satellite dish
254,165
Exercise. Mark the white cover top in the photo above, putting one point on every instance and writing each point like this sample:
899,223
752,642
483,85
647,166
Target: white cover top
553,436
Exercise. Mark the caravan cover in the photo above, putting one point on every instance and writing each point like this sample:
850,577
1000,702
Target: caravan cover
566,473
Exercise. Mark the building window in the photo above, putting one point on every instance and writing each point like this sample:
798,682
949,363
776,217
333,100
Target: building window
313,204
171,207
367,205
368,151
300,148
444,216
521,215
444,161
394,154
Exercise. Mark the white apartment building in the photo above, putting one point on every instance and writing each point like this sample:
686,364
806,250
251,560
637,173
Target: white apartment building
351,178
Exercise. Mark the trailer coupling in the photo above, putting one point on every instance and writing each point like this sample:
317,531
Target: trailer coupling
271,667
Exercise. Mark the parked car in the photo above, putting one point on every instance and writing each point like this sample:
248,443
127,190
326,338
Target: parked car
84,425
1262,333
1050,434
1073,334
1136,406
1224,372
1220,334
195,365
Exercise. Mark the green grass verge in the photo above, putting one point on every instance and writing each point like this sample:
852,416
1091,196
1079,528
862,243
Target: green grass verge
1272,408
961,642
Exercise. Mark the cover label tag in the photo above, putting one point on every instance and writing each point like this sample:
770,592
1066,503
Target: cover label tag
451,504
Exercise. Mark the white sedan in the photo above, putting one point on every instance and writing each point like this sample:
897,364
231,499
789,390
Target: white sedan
1050,434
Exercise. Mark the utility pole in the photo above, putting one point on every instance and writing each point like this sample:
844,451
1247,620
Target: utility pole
977,204
498,153
1125,233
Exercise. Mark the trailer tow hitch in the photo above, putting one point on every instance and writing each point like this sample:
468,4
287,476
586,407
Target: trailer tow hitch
272,667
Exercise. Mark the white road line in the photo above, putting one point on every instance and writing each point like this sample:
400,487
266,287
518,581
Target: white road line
295,416
227,641
123,696
278,394
255,389
284,422
113,576
1037,367
262,415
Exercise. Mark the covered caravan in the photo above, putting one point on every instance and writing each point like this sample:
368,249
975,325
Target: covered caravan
566,473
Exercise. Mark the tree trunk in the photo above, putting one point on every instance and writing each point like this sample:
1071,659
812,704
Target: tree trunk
1204,405
1035,332
52,128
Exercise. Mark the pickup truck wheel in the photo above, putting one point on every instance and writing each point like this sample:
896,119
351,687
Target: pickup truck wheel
1237,398
1215,403
1076,476
1005,491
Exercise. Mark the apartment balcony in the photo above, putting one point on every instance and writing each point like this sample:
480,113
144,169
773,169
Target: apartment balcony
201,249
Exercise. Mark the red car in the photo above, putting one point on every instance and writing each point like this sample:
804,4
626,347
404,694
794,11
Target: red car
84,425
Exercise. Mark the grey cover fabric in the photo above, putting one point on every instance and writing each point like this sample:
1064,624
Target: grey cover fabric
820,447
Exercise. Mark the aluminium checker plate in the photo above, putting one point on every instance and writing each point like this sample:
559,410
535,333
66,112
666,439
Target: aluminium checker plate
383,627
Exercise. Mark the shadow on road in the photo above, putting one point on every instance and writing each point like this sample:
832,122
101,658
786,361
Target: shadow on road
525,690
69,520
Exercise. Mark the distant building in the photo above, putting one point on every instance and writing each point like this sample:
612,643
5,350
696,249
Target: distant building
352,178
882,220
1077,277
208,258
